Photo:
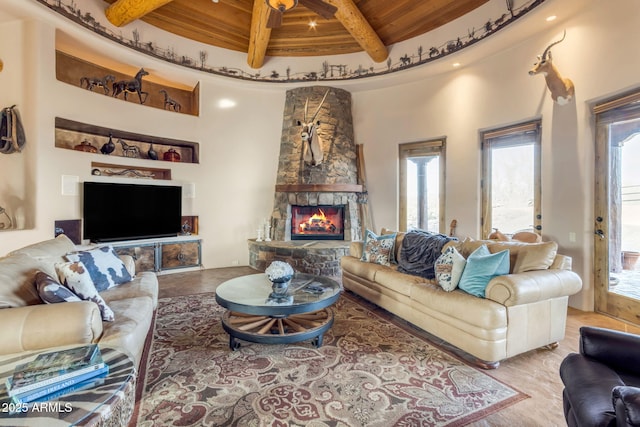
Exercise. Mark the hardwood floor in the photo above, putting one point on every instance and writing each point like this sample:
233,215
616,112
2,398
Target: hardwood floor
534,373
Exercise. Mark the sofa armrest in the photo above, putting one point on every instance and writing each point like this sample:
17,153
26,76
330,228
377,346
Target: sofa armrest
49,325
355,249
616,349
626,401
532,286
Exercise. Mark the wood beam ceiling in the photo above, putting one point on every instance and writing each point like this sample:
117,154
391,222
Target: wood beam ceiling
260,34
123,12
357,25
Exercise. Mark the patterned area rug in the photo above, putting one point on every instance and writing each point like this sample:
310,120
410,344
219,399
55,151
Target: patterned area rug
371,371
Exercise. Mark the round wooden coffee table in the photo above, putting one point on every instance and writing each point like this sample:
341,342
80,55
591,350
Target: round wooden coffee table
253,316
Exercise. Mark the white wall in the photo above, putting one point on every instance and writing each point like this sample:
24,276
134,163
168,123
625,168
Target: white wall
239,146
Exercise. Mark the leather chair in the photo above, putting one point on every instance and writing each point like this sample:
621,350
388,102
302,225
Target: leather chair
602,382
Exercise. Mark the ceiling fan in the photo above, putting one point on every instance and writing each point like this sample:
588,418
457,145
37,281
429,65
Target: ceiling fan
278,7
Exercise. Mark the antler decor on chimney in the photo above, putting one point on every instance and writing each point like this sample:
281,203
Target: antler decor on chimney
562,89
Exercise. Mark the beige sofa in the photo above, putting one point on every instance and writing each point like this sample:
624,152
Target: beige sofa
28,324
520,312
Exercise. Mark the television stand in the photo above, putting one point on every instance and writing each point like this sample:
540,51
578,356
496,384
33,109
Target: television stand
163,255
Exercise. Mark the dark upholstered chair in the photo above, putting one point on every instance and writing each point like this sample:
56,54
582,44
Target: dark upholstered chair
602,383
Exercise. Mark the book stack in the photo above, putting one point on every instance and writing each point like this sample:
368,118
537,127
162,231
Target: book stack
57,373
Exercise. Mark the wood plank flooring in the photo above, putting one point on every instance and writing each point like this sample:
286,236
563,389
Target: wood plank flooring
534,373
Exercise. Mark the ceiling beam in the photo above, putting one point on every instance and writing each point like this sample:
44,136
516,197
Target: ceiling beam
356,24
260,34
123,12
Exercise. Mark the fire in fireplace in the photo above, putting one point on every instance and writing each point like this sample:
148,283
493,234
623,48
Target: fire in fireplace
321,222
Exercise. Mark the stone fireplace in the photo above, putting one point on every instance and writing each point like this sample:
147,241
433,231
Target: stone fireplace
303,189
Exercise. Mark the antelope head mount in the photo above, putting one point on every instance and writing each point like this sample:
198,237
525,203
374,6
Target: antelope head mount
562,89
311,142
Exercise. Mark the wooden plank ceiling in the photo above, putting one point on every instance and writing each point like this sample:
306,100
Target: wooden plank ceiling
241,25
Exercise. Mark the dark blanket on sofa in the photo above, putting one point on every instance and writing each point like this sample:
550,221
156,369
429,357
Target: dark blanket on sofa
420,250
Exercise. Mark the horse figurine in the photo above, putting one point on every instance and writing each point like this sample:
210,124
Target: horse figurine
170,102
91,82
129,150
131,86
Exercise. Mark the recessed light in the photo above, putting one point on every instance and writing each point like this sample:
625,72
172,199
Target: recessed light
456,64
226,103
313,24
551,18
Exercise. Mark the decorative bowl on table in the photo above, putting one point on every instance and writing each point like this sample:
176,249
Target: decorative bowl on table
279,274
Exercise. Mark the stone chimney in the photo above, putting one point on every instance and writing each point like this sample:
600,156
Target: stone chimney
335,180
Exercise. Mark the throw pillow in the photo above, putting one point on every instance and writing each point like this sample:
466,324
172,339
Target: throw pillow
75,276
105,267
481,267
378,249
449,267
51,291
535,256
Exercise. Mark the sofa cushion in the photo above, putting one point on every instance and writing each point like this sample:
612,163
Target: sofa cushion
75,276
398,245
359,268
17,281
449,267
52,292
48,251
104,266
398,282
481,267
527,256
144,285
378,249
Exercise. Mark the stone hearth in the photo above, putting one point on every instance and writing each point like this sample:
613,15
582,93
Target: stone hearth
313,257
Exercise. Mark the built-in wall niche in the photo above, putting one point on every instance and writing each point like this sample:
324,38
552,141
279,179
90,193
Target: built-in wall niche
94,139
100,80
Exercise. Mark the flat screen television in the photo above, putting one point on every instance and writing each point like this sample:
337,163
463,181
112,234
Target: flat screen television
114,211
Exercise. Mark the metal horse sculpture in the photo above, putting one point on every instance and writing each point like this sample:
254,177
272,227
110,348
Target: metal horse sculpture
312,145
131,86
562,89
91,82
170,102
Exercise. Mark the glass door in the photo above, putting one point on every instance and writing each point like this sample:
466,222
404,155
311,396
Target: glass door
617,213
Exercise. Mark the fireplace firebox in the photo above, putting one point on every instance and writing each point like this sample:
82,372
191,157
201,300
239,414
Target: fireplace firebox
322,222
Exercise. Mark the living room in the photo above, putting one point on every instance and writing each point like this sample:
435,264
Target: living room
240,123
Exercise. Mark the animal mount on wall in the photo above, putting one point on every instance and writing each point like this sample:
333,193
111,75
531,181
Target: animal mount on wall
131,86
312,153
562,89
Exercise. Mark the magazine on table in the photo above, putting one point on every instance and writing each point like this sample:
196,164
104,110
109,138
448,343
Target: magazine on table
53,367
59,388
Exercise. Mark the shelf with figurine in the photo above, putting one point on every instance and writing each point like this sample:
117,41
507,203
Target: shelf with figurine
136,86
94,139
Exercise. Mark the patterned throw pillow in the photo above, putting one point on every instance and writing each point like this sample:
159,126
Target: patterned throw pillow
105,267
482,266
51,291
449,267
378,249
75,276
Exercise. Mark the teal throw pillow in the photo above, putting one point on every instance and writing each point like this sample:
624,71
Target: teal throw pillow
378,249
482,266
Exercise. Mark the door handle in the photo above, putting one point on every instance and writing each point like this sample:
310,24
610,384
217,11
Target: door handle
600,233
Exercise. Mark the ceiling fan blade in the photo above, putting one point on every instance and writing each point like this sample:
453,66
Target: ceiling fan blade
275,19
323,9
